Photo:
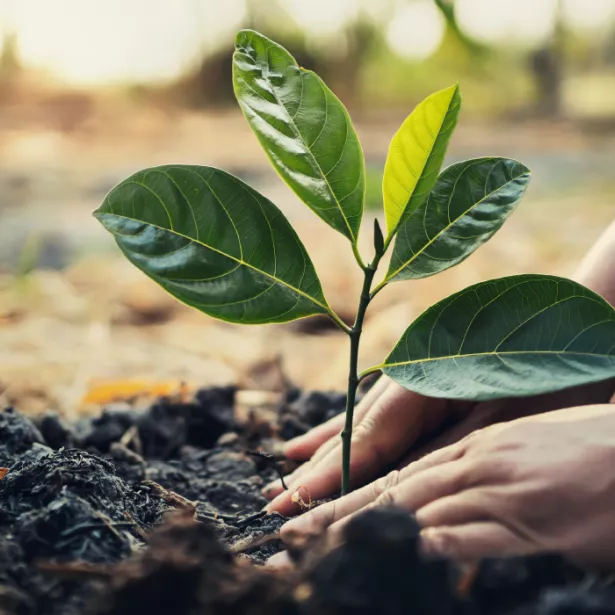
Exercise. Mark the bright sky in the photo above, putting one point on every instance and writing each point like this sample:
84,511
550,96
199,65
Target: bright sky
105,41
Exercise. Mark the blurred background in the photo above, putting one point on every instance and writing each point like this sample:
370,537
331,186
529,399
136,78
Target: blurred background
92,91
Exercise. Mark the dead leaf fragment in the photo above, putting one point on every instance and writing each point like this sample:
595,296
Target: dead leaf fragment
106,392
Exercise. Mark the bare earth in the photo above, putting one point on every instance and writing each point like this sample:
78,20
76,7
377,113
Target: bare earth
100,320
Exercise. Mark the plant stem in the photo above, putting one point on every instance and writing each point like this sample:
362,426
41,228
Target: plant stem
353,377
357,255
339,322
379,288
370,370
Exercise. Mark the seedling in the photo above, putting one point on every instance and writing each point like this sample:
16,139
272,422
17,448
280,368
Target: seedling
218,245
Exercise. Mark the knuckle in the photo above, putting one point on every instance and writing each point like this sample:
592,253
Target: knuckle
363,430
466,475
385,499
392,479
326,516
379,487
382,485
468,444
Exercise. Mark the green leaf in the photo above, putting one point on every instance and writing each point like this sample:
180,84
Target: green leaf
514,336
416,154
304,129
214,243
469,203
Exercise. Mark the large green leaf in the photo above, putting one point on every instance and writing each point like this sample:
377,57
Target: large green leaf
514,336
214,243
416,154
469,203
304,128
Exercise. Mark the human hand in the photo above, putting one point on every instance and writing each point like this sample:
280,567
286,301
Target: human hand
392,422
539,484
387,422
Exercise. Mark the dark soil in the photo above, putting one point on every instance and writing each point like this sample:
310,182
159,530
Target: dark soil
159,512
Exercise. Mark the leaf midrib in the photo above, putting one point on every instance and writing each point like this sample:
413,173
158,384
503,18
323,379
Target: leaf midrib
497,354
240,261
446,228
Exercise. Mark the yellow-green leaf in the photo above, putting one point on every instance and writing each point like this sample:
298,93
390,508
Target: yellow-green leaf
416,154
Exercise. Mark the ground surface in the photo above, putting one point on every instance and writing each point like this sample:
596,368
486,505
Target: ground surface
89,316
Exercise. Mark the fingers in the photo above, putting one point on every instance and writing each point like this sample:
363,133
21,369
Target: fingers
319,519
390,425
474,541
279,561
413,492
409,493
470,506
318,442
295,479
434,483
437,457
304,447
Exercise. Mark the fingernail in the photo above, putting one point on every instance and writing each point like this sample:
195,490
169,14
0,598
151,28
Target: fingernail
267,489
274,505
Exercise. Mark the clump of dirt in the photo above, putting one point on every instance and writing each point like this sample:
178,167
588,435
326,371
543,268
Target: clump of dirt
17,435
65,506
186,571
376,569
379,569
90,493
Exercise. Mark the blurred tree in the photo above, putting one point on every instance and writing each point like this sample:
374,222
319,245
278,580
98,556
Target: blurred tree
210,84
344,72
447,8
9,57
547,65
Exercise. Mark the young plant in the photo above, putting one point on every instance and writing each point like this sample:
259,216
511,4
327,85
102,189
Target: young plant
218,245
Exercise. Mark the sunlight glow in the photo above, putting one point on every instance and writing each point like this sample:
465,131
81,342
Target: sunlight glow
322,18
589,16
91,42
416,30
523,23
86,42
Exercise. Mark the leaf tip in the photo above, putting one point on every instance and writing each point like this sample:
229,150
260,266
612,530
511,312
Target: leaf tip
246,39
242,36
